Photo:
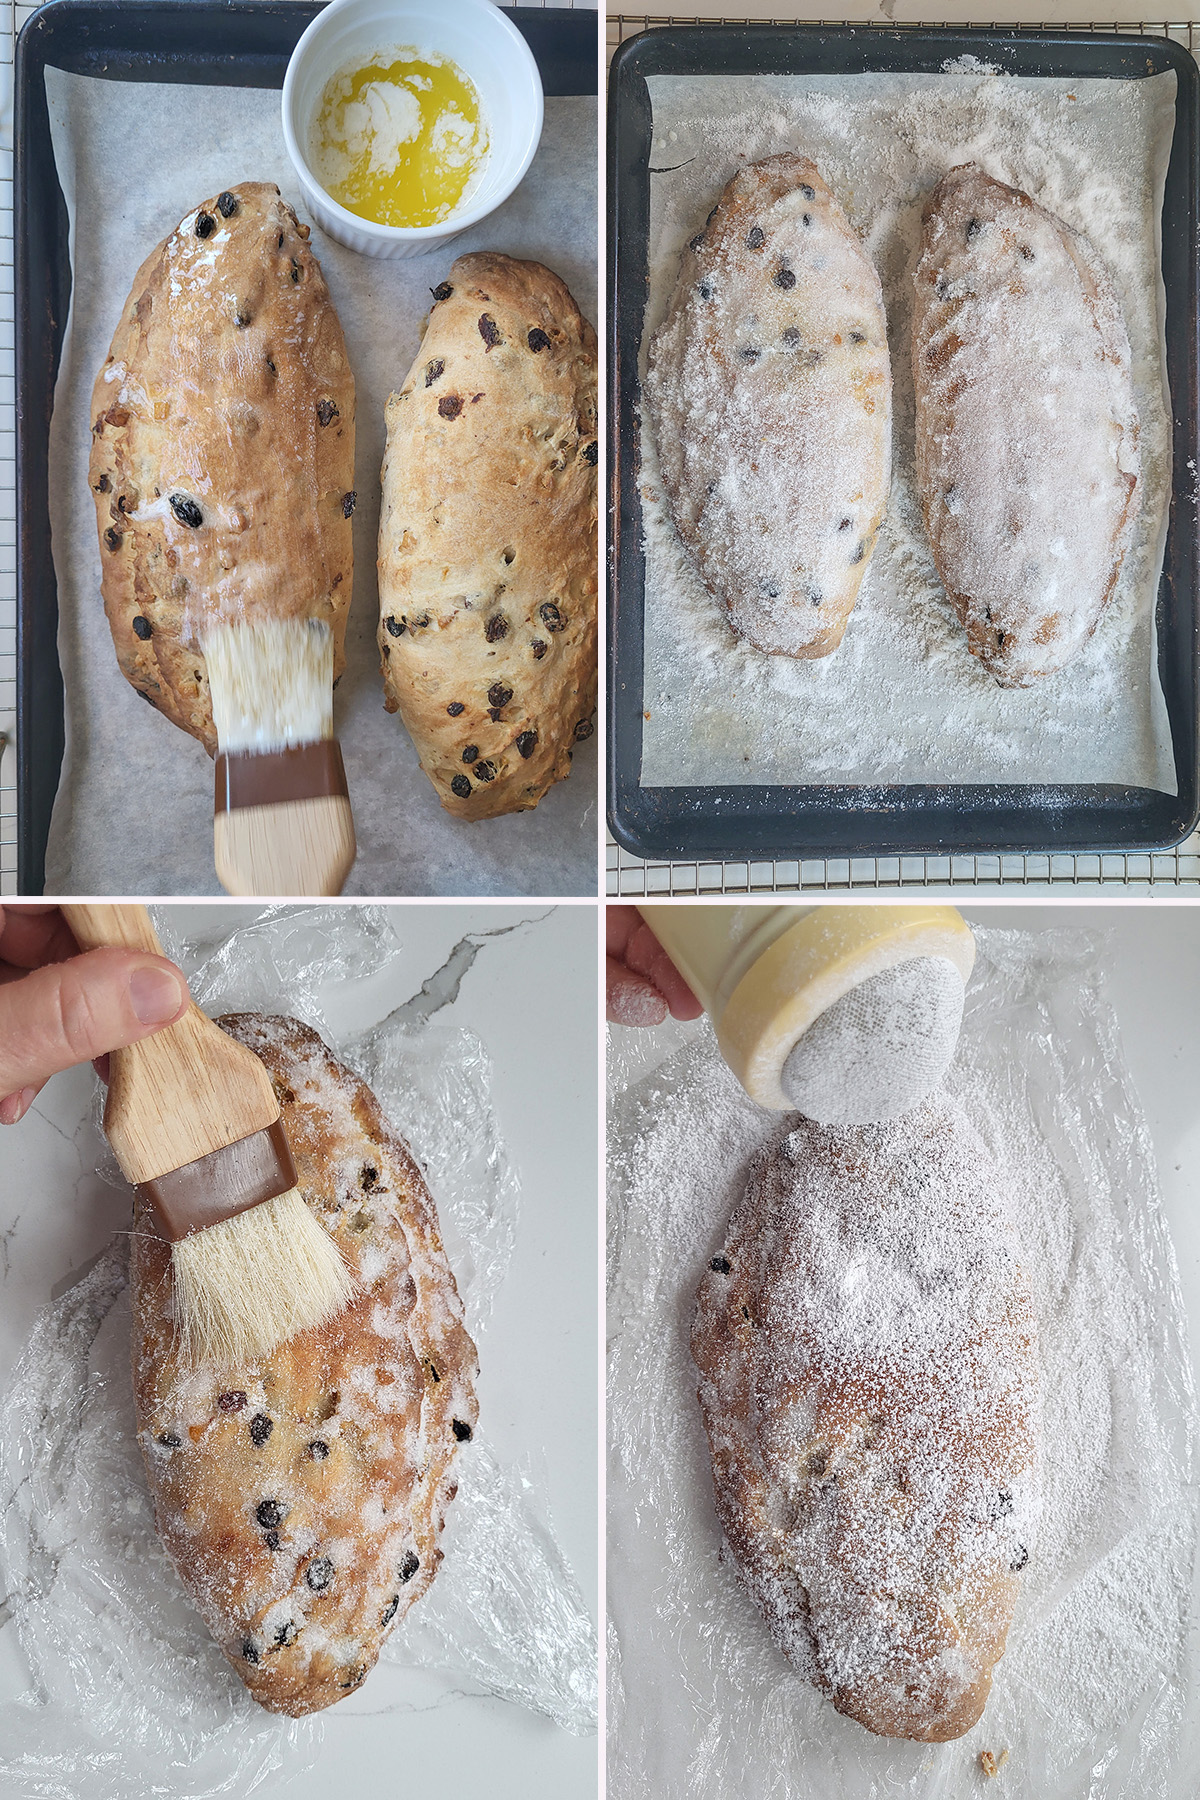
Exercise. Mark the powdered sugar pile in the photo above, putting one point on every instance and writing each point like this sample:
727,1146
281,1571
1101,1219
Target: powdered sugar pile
902,700
1097,1671
880,1048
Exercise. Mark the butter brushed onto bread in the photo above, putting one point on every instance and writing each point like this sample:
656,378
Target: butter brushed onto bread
301,1496
222,463
869,1383
487,537
1027,460
769,392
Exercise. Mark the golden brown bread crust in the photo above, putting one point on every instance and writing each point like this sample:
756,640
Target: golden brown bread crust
301,1497
1026,430
769,387
487,537
227,384
867,1351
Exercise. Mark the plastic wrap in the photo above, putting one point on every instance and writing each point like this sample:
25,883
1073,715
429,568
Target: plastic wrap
129,1695
1094,1696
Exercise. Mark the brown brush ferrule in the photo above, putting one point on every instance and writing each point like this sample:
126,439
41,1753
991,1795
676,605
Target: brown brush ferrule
307,772
222,1184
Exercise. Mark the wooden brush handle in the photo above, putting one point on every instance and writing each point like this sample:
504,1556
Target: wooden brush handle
183,1092
293,847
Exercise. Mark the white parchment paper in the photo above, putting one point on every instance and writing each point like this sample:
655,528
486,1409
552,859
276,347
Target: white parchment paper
134,807
1095,1697
902,700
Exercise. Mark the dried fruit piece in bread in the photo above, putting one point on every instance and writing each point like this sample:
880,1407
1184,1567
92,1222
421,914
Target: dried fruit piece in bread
867,1352
487,537
769,391
1027,460
222,463
301,1497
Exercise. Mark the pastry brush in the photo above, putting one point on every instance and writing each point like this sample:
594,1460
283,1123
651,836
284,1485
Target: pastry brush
195,1125
282,822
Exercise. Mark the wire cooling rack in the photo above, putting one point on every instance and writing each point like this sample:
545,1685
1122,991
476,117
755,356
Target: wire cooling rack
1170,871
13,17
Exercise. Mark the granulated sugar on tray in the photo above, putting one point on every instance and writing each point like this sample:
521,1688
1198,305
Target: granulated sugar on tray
902,700
1097,1672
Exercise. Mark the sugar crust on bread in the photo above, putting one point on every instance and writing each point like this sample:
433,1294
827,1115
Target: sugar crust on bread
227,386
869,1384
769,393
487,537
1026,429
302,1497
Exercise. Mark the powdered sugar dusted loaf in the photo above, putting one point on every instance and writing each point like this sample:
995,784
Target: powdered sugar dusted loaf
769,392
302,1497
1026,438
869,1383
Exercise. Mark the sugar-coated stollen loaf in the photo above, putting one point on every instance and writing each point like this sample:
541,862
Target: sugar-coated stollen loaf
487,537
869,1383
769,393
302,1497
1026,441
222,463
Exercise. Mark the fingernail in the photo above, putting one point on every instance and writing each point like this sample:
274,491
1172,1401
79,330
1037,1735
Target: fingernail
154,995
15,1106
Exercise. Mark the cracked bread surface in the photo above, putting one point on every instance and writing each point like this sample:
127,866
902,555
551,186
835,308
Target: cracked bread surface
301,1496
487,537
222,460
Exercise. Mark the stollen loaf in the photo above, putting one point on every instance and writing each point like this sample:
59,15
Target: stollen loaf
222,459
301,1497
867,1351
769,394
1026,430
487,537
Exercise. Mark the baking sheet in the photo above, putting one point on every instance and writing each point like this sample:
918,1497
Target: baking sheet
134,806
902,701
1095,1696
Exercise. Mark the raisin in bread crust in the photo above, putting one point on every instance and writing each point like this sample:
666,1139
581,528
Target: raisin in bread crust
301,1497
1026,438
487,538
867,1350
769,393
227,383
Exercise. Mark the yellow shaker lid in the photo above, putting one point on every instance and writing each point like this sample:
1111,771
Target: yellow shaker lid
811,965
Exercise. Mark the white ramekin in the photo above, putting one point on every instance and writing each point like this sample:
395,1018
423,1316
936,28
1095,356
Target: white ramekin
485,45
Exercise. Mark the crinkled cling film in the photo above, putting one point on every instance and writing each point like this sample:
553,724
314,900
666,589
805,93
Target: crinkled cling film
1094,1696
130,1696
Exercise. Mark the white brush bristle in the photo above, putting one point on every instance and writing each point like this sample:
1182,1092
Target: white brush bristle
271,683
245,1286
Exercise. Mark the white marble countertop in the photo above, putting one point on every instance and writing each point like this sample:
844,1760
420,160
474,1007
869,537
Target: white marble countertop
530,994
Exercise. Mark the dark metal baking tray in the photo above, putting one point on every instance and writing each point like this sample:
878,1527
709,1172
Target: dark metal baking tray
186,41
819,821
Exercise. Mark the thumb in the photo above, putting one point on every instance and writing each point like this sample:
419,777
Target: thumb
70,1012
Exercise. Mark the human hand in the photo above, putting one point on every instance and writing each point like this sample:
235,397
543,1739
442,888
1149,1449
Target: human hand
59,1007
642,982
